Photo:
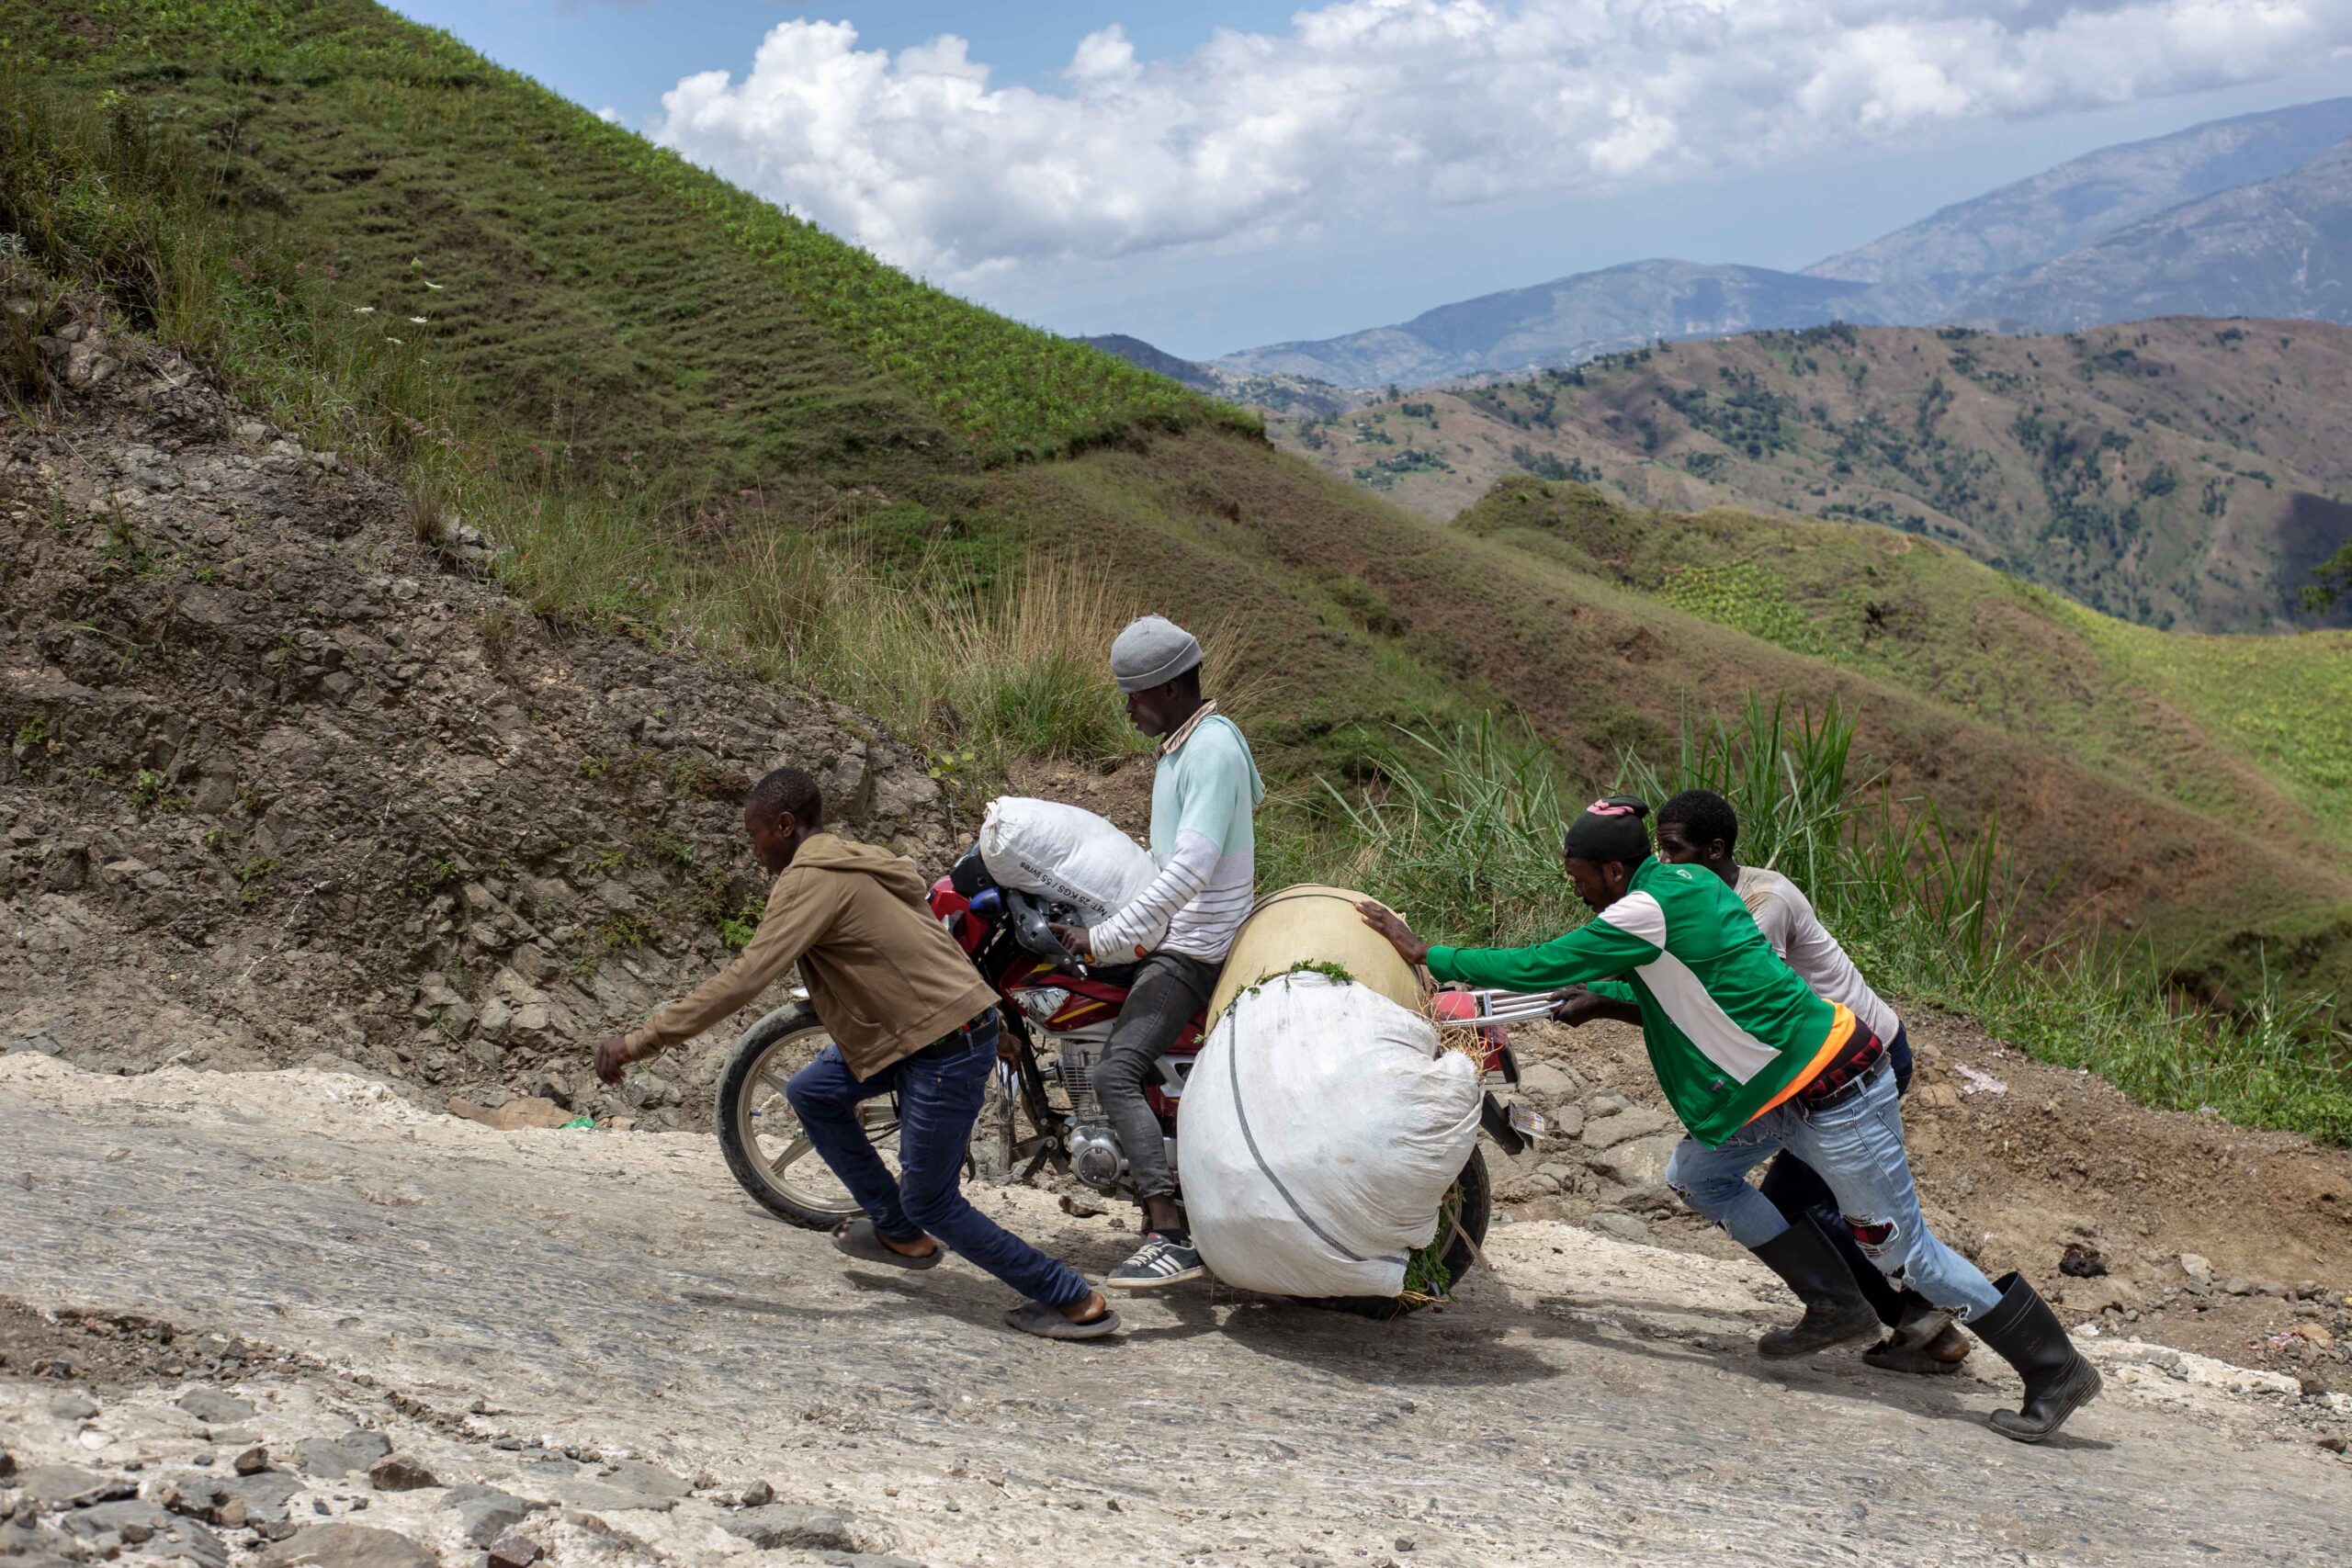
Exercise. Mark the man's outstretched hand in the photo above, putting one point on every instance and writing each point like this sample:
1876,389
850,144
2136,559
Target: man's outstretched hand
1384,919
1074,940
614,1058
1575,1004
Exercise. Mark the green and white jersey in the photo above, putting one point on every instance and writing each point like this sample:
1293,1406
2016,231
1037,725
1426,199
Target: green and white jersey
1731,1029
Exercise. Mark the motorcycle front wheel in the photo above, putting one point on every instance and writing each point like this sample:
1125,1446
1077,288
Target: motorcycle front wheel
1462,1225
767,1150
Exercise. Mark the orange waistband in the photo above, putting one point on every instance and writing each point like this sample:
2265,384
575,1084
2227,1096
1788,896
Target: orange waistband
1842,1034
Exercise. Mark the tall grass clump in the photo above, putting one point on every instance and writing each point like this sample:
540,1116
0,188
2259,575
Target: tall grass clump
1459,827
978,673
1019,667
1461,831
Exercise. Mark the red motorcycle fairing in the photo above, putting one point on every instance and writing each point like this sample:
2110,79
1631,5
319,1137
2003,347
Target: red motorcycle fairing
1090,1000
954,911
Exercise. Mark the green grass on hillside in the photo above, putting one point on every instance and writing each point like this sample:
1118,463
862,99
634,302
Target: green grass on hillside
2255,727
2288,701
595,291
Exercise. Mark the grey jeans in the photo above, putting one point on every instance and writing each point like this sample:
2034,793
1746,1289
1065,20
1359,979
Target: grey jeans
1169,993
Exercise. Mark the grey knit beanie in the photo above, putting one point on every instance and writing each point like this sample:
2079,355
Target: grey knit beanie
1151,652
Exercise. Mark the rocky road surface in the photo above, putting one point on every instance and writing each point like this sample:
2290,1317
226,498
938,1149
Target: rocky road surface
599,1325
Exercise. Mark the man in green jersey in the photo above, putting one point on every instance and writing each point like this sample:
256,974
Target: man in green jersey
1754,1062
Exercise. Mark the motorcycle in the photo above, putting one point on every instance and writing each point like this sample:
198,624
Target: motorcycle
1057,1015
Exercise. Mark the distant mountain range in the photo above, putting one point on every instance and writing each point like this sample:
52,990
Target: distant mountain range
1948,254
1568,319
1275,391
2246,216
2282,247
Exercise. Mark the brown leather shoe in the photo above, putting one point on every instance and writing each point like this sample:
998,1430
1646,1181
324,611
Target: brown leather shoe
1943,1354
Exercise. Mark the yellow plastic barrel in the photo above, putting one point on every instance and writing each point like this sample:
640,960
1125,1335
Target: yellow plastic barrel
1308,924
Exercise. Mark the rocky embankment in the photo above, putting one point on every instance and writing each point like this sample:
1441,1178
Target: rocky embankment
127,1439
283,783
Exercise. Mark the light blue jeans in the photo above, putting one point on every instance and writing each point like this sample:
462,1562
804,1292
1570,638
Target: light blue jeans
1856,1147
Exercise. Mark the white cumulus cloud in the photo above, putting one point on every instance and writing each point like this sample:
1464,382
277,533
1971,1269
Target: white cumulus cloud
1366,107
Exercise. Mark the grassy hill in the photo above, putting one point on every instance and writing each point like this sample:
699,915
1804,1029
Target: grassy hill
2257,729
674,408
2176,472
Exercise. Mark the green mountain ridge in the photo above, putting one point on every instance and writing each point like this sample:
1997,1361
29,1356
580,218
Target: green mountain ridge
613,317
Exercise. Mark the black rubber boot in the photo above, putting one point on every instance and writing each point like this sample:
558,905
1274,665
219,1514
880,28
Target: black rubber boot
1836,1312
2025,1332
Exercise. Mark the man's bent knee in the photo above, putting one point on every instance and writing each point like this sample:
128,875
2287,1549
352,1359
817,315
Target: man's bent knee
1119,1074
1887,1243
1709,1197
803,1095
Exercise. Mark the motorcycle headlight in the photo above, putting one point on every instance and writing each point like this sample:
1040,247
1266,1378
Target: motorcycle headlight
1042,1002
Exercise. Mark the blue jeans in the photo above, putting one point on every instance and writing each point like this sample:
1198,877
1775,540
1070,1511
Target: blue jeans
1796,1189
939,1090
1856,1147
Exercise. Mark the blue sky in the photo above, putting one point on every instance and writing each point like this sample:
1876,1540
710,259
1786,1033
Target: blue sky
1217,176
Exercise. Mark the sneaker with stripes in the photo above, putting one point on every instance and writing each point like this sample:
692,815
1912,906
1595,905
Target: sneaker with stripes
1162,1260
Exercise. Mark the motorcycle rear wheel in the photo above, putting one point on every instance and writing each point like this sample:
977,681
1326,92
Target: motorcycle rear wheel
766,1150
1471,1199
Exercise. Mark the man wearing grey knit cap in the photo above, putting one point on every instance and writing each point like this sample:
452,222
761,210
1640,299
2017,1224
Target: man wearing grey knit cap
1202,797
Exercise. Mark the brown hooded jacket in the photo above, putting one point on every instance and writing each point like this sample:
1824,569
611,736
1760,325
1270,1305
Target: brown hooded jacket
883,975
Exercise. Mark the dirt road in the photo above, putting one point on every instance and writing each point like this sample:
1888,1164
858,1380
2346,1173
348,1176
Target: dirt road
510,1304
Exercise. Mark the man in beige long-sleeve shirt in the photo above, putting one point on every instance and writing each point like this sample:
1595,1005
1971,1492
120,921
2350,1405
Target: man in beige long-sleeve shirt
909,1015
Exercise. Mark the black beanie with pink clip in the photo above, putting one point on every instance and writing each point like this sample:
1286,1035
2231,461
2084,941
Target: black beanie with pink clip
1612,828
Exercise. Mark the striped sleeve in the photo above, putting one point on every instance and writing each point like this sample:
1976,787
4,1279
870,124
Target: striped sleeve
1625,936
1179,881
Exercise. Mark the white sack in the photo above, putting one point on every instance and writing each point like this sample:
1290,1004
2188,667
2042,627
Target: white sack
1322,1129
1066,854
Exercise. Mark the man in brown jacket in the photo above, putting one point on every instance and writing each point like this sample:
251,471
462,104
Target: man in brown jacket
909,1015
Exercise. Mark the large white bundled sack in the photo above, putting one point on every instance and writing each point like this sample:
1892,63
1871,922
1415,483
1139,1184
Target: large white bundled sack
1322,1129
1066,854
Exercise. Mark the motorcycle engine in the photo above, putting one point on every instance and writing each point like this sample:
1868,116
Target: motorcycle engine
1096,1155
1076,1066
